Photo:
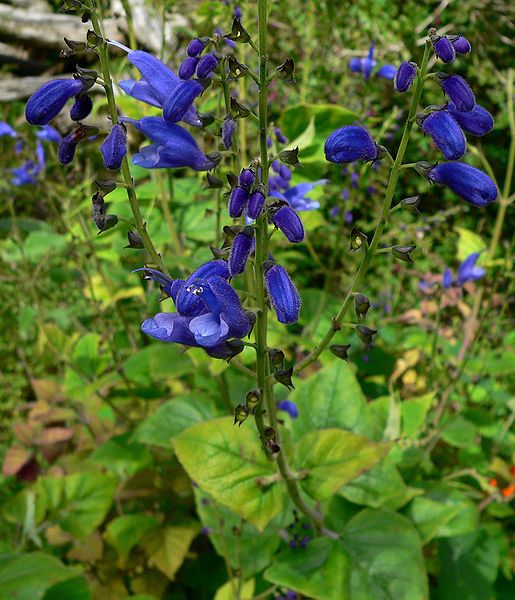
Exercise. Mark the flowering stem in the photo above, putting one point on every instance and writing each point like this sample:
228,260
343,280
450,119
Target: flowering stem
390,190
126,172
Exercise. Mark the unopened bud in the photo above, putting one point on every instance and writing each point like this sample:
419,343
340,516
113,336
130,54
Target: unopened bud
365,334
361,305
276,357
240,414
403,253
340,350
284,376
252,399
357,240
411,203
135,240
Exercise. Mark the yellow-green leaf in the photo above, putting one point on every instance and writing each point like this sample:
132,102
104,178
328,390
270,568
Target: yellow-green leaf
166,547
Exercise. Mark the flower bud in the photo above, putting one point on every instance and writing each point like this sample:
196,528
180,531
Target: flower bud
469,183
460,44
279,136
350,143
365,334
236,69
67,146
206,65
188,66
290,407
246,178
135,240
283,294
340,350
477,121
256,204
212,181
404,76
446,133
48,101
288,221
81,107
458,90
114,147
252,399
180,99
196,46
240,414
444,49
237,201
227,350
403,253
357,240
240,251
411,203
284,376
228,129
361,305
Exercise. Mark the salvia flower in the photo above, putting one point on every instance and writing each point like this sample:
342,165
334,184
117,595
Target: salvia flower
364,65
157,84
246,178
68,144
195,47
458,90
283,294
447,278
181,99
172,146
288,221
289,407
238,199
228,129
256,204
446,133
387,71
297,196
114,147
404,76
207,64
48,101
350,143
477,121
49,133
468,271
469,183
460,44
279,136
7,130
444,49
81,108
240,250
188,67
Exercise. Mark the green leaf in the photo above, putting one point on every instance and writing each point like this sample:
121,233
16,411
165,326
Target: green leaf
306,138
468,566
171,418
413,413
382,486
77,503
226,591
122,456
75,588
227,462
29,576
430,517
320,571
333,457
157,362
460,432
124,532
339,400
386,554
249,550
86,355
468,243
38,245
166,547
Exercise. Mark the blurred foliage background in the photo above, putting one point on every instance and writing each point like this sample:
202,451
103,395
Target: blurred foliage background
93,500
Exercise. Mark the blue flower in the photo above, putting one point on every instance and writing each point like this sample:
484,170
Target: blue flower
444,49
7,130
48,101
387,71
290,407
447,278
477,121
238,199
26,174
404,76
467,271
228,129
288,221
173,146
195,47
157,83
458,90
49,133
366,65
469,183
446,134
256,204
240,250
246,178
283,294
207,65
188,66
114,147
81,108
460,44
209,312
180,100
350,143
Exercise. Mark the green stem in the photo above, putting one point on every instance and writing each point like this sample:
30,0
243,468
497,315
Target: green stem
126,173
390,190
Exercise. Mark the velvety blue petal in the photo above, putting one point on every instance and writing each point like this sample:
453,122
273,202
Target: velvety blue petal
238,199
469,183
444,50
288,221
159,77
355,65
6,129
240,251
290,407
447,278
255,204
350,143
114,147
142,91
181,99
188,66
477,121
208,329
446,134
404,76
47,102
387,71
49,133
459,91
461,45
169,327
283,294
81,108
